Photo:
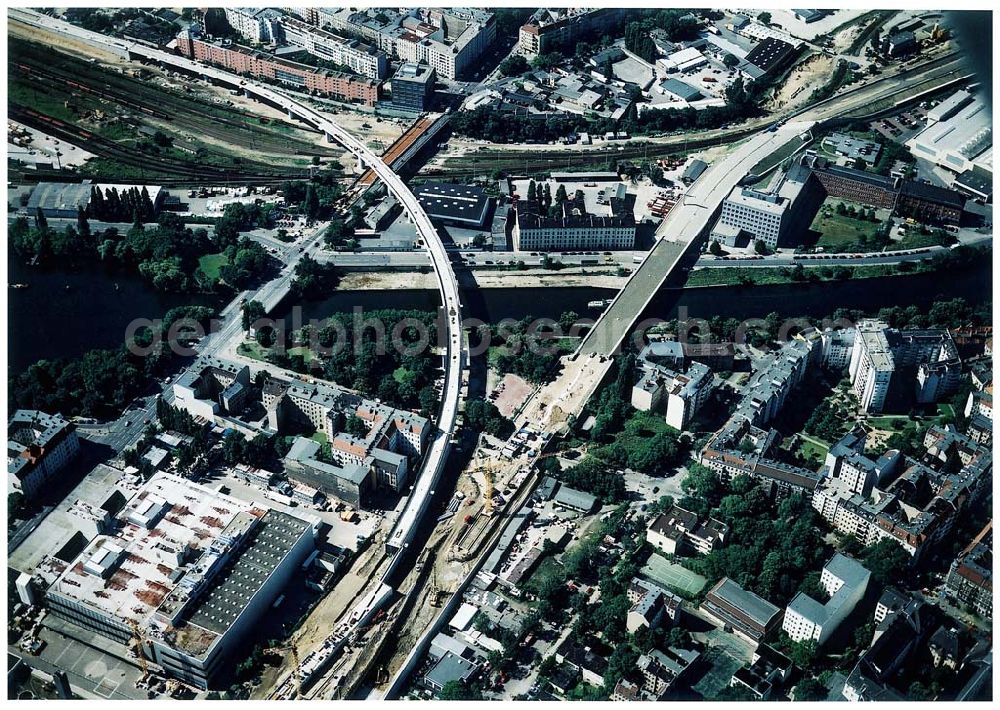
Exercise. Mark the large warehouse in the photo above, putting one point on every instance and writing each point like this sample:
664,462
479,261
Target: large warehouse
963,137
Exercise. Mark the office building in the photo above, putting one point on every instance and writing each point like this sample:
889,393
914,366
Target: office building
774,214
845,581
741,612
930,204
39,447
189,570
413,87
357,56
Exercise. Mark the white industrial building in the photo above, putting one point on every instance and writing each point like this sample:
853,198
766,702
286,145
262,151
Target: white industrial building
960,134
183,568
767,214
845,580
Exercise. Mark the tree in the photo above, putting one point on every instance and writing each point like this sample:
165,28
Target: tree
886,560
764,17
15,505
514,65
760,247
457,690
810,689
730,60
715,248
252,311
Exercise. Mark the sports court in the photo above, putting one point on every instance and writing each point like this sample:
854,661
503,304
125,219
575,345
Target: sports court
673,576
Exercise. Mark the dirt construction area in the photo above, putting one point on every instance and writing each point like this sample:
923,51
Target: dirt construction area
510,394
807,76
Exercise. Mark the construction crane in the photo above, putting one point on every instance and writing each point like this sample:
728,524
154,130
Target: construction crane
139,648
297,670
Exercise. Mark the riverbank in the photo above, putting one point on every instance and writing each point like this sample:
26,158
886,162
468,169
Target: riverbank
532,278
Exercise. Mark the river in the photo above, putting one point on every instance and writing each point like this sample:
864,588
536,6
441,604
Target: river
47,320
64,312
788,300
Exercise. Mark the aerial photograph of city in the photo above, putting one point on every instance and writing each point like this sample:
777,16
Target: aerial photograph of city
499,353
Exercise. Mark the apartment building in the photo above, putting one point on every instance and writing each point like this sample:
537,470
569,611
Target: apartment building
918,507
259,25
249,62
574,229
555,28
970,578
872,365
845,581
450,40
838,346
359,57
879,352
39,447
679,531
678,390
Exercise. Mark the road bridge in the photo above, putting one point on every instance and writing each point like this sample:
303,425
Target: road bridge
456,352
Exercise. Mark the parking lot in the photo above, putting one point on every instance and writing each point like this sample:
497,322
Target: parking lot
91,672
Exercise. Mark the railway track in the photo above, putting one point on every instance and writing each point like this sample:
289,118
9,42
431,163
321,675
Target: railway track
162,104
105,148
529,161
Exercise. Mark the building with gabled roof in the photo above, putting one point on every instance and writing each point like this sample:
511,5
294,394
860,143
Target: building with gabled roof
39,447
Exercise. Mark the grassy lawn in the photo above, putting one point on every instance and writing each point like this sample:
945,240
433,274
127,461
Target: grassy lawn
319,437
252,349
777,156
210,264
812,450
839,231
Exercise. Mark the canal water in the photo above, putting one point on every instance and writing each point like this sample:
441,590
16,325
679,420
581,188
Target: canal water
64,313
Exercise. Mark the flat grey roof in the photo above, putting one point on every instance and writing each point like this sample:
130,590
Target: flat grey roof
233,588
